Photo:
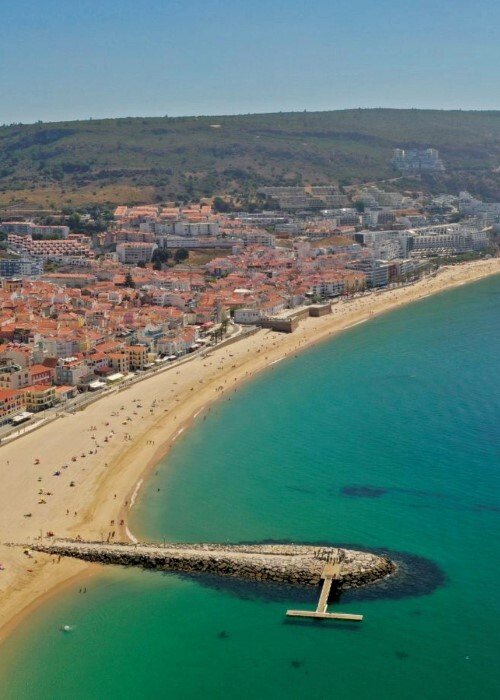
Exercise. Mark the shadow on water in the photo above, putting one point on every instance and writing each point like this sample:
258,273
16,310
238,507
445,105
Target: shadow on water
416,576
340,625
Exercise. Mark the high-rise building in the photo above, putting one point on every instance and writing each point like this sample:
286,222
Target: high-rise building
417,160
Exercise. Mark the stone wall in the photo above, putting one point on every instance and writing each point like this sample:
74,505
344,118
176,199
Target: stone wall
320,310
282,325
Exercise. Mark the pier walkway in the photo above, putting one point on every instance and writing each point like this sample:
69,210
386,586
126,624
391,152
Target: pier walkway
330,573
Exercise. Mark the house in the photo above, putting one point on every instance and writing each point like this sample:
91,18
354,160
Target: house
64,393
40,374
12,402
71,370
13,376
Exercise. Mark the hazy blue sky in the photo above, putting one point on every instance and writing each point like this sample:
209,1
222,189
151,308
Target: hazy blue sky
69,59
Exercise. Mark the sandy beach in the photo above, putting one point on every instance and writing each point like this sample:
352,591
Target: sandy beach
107,449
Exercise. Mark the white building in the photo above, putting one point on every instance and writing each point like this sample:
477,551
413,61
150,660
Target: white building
417,160
134,253
376,271
489,212
21,267
249,316
258,238
448,239
28,228
373,196
327,287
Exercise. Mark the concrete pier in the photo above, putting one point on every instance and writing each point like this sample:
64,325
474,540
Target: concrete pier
331,572
300,565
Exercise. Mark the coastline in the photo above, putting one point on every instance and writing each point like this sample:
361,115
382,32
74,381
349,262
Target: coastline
181,395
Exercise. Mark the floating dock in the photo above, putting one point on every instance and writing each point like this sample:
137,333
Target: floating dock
330,573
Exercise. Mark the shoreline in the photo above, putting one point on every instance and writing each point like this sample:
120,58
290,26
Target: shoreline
198,384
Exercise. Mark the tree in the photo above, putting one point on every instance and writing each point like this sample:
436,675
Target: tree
74,221
221,206
160,256
129,281
181,254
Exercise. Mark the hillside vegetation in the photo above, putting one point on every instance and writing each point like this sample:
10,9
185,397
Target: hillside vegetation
154,159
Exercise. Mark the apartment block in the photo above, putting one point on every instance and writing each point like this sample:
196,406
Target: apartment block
417,160
134,253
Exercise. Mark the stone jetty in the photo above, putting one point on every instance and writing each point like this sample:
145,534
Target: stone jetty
299,565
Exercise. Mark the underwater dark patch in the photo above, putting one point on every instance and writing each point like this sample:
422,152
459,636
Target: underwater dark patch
485,507
363,491
446,501
368,491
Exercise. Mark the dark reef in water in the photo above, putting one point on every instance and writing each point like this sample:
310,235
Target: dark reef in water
445,501
363,491
416,576
401,655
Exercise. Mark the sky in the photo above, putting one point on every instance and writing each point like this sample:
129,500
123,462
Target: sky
75,59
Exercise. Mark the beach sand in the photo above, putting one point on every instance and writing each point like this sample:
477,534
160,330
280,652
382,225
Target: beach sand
141,422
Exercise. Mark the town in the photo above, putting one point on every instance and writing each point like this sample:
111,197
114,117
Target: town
85,311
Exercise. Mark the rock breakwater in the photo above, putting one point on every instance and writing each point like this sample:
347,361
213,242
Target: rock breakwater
299,565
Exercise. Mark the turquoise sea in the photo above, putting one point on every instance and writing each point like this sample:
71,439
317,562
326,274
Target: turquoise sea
386,437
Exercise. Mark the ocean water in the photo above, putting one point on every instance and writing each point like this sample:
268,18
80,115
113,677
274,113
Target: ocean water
384,437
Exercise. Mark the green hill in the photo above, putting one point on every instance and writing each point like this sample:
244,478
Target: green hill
153,159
